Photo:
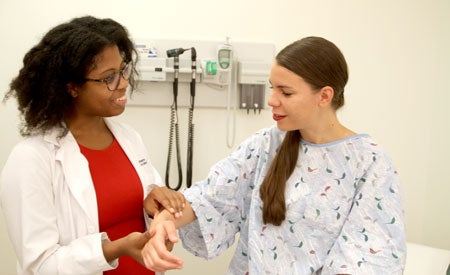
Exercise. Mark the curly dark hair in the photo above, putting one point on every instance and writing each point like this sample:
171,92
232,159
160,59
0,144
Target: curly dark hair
65,55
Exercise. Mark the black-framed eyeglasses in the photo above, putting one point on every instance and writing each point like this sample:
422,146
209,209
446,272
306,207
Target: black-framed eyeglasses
113,81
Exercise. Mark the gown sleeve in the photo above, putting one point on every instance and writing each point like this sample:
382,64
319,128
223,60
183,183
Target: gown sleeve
221,201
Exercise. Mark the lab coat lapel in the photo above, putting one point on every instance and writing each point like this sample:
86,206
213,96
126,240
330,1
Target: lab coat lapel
77,176
129,146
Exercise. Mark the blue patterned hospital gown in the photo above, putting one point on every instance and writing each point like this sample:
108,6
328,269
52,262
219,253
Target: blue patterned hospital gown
344,210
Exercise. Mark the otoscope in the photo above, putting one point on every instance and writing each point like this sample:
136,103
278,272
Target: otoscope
175,53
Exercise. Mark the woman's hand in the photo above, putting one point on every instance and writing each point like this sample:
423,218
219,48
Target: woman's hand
164,198
130,245
155,254
135,243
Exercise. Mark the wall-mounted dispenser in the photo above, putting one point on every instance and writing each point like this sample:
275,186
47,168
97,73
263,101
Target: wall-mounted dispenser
252,79
217,70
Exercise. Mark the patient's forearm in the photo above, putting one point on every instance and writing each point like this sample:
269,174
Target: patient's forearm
187,217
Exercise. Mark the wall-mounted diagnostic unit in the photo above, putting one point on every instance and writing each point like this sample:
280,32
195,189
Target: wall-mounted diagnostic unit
212,75
216,72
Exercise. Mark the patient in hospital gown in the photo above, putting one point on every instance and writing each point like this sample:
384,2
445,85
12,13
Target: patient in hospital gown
343,210
309,196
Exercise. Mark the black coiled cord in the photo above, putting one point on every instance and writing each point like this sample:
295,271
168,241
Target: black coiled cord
174,126
190,147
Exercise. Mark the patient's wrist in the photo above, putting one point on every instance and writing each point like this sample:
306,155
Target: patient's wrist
165,215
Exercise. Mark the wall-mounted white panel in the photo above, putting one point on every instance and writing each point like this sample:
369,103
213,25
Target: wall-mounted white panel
155,65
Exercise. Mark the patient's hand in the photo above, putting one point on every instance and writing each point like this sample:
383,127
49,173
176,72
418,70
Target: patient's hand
155,254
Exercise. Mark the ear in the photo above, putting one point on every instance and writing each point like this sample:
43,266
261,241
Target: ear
326,95
72,89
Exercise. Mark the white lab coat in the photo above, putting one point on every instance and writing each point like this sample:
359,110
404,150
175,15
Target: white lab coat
50,205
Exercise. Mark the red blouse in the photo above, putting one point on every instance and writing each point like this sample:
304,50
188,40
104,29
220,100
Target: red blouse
119,199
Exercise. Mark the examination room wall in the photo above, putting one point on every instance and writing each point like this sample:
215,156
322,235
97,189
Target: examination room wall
398,92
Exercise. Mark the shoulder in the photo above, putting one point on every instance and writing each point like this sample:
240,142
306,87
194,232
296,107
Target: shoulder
33,154
367,145
271,136
371,157
264,142
35,145
273,132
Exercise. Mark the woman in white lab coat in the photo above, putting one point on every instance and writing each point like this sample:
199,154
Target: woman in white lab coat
73,192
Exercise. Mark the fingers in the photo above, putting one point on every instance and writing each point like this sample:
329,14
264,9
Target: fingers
158,258
151,205
175,201
171,200
161,263
148,234
171,232
155,254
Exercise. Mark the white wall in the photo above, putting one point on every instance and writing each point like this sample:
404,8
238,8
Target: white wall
399,60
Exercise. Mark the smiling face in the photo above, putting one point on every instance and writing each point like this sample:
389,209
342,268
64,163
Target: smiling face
94,98
295,105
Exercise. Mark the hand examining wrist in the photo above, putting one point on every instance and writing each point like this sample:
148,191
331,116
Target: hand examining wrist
130,245
184,218
160,217
161,198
